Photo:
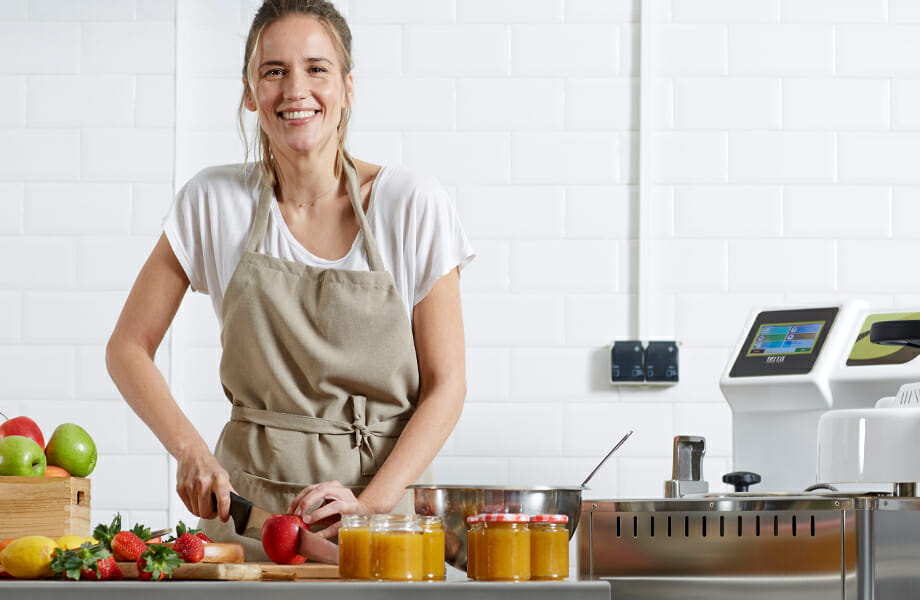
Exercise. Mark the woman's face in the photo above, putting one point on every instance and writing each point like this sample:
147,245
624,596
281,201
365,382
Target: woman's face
299,93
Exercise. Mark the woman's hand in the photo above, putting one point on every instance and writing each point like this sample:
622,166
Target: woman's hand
198,477
334,499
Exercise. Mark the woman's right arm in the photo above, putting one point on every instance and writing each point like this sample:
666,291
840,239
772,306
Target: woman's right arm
147,314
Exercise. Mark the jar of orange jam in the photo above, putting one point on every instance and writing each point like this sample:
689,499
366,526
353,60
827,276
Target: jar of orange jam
473,533
355,547
432,547
396,548
505,545
549,547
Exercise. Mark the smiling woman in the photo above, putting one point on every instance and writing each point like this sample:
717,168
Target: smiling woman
336,283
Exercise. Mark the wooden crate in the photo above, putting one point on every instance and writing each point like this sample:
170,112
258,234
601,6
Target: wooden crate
49,506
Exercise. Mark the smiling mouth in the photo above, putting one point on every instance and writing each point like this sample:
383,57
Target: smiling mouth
297,114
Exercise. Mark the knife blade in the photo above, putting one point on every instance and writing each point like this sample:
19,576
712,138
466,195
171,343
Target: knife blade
247,517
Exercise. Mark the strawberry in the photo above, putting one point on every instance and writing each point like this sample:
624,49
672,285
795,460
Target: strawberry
204,538
190,547
157,562
127,547
88,562
104,569
104,533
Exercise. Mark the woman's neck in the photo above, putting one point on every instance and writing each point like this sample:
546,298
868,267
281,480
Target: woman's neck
305,180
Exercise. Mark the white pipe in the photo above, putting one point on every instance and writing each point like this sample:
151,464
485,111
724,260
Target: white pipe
644,261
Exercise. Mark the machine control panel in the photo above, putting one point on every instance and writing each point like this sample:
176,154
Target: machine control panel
784,342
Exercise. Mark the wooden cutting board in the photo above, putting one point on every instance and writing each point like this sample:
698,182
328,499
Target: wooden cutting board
243,571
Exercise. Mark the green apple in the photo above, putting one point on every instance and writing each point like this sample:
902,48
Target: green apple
21,456
72,449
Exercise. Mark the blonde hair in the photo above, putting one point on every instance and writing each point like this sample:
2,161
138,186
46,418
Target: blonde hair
270,12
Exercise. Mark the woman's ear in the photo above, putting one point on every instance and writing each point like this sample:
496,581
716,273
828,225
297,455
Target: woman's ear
248,101
350,89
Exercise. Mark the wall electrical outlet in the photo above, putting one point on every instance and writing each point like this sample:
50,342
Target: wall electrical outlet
653,363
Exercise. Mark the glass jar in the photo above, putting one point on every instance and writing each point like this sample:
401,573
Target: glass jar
473,535
396,548
505,544
355,547
549,547
432,548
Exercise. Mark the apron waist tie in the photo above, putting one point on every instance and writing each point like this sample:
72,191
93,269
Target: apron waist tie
359,428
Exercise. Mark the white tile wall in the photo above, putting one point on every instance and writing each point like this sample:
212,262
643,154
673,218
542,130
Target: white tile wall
787,124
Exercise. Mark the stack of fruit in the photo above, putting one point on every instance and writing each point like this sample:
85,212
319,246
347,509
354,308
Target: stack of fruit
70,450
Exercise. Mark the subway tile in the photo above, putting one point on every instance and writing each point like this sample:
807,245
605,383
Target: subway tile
111,10
564,266
491,271
689,50
211,12
382,148
140,439
689,157
903,11
726,11
111,263
781,50
198,150
610,11
488,374
91,378
155,519
514,104
688,266
91,100
715,319
661,211
127,154
560,472
601,212
149,204
14,10
879,158
456,51
10,317
450,470
509,430
597,104
630,51
835,104
629,273
419,104
137,481
218,50
834,11
780,265
459,158
31,372
512,212
565,158
155,10
878,50
868,266
835,212
728,211
509,11
592,429
58,10
12,200
77,208
209,417
196,325
712,421
401,11
138,48
661,105
13,101
727,103
377,51
905,104
515,320
560,375
70,317
781,157
37,47
104,421
50,263
199,374
154,105
564,50
700,371
24,154
598,319
905,213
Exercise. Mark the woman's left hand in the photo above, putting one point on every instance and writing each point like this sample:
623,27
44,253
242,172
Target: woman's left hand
334,499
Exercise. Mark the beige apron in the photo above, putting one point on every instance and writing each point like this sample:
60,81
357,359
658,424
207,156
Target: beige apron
320,367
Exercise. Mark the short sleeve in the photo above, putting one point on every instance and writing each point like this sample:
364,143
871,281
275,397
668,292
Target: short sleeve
441,242
184,228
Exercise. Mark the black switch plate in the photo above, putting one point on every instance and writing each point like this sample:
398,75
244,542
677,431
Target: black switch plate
661,361
627,361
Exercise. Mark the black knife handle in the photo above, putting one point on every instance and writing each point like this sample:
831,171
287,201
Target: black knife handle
239,511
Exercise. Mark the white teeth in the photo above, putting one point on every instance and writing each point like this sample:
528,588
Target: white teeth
300,114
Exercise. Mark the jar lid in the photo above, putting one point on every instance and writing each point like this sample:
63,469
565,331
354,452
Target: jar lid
470,520
549,519
505,518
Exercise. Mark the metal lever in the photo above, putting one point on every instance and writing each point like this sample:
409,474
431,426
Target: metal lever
687,470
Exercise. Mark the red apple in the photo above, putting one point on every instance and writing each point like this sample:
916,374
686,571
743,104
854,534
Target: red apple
52,471
281,539
23,426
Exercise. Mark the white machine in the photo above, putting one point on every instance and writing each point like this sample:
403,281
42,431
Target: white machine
794,364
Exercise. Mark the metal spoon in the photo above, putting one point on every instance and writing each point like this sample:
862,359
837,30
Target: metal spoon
584,483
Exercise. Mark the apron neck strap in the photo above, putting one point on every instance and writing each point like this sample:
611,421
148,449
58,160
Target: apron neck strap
266,196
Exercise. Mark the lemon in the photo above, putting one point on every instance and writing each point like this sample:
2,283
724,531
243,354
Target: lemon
28,557
69,542
91,540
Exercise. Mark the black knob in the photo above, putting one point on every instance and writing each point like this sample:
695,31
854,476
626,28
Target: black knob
741,480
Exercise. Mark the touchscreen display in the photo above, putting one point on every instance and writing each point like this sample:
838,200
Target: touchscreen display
785,338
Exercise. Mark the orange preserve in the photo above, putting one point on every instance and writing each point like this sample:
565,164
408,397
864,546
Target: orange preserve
396,548
432,547
473,535
505,544
549,547
355,547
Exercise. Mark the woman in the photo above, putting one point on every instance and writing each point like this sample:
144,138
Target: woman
337,286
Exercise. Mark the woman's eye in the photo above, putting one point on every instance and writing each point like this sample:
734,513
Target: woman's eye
273,73
317,69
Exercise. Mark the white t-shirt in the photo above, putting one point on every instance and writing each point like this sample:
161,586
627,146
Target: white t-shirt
418,233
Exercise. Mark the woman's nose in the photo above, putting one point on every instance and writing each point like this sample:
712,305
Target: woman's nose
296,84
